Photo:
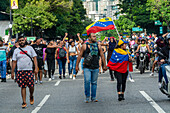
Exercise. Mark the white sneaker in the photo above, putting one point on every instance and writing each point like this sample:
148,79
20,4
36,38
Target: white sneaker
36,82
74,78
159,85
152,74
52,77
71,76
49,79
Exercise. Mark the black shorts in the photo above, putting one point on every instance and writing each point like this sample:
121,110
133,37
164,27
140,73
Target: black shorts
25,78
40,64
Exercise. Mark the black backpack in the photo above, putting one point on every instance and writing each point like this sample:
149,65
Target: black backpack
62,53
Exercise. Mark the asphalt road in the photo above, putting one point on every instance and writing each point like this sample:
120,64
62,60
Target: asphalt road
67,96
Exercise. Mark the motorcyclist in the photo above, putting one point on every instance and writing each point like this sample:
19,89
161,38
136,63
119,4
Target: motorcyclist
166,52
143,47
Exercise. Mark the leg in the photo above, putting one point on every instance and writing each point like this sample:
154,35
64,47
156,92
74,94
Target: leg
63,66
153,67
111,75
164,73
87,79
137,61
60,66
23,94
94,77
100,65
74,65
3,74
119,81
71,64
124,78
49,68
31,89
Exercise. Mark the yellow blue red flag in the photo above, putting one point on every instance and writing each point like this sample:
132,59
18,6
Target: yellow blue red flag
101,25
119,61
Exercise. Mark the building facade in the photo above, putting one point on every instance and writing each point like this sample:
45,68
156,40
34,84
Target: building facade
97,9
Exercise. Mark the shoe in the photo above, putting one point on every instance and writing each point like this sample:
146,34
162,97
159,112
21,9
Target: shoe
112,79
100,73
60,77
87,100
32,100
119,97
2,79
159,85
147,68
36,82
74,78
24,105
122,95
41,82
49,79
52,77
64,76
152,74
94,100
71,76
136,67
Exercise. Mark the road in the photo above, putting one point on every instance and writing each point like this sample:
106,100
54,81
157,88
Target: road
67,96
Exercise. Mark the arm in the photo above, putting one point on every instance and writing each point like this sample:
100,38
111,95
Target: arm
56,53
164,35
14,63
137,49
80,40
36,65
148,48
104,49
103,58
67,55
80,56
77,51
66,34
45,57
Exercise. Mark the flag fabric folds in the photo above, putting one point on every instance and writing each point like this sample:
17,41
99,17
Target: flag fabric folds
119,61
101,25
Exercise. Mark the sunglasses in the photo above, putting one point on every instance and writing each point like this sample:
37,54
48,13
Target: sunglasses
21,40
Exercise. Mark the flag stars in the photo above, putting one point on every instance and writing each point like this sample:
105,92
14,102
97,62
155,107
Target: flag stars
117,59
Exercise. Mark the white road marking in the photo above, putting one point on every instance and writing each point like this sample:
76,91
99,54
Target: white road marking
57,83
41,104
152,102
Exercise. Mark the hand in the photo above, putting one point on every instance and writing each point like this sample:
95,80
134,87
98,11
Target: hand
77,68
68,61
36,71
78,34
66,34
162,61
12,75
104,68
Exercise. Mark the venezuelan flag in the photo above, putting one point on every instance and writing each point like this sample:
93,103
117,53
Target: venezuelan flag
119,61
101,25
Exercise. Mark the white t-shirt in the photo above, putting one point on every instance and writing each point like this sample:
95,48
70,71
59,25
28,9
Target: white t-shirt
23,61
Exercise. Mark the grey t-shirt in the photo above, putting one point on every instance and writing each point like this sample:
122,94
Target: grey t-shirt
23,61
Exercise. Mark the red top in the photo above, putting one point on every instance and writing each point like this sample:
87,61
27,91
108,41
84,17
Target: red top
58,53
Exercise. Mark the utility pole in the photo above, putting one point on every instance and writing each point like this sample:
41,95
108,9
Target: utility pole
10,31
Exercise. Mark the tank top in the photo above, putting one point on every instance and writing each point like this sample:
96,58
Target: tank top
95,59
72,49
143,48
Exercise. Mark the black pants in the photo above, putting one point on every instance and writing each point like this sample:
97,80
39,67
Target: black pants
121,81
51,66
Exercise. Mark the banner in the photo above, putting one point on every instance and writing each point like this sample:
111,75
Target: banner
14,4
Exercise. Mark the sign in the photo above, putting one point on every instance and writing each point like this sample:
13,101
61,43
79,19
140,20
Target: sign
14,4
157,22
84,34
161,30
125,33
137,29
30,38
6,32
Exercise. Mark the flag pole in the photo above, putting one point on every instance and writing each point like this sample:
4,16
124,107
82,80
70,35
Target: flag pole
116,30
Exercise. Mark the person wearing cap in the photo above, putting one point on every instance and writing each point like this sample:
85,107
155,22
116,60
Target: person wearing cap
120,63
3,66
166,52
143,47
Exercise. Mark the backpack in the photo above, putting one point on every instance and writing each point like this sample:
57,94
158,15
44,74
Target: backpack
62,53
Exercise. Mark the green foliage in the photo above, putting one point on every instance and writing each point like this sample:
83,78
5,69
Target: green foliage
160,10
3,6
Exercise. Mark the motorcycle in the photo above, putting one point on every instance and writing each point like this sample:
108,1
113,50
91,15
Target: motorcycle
165,88
142,62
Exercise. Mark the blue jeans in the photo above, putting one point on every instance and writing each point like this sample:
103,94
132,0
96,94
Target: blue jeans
82,60
62,66
73,60
3,67
162,73
90,76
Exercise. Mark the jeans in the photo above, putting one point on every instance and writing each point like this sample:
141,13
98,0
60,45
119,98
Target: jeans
62,66
162,73
82,61
90,76
73,60
3,67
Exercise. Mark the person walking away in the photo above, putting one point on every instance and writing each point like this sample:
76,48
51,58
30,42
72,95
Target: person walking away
91,52
45,62
61,56
119,63
50,56
25,76
72,58
3,66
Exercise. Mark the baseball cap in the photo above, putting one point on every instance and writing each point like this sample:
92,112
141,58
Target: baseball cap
122,42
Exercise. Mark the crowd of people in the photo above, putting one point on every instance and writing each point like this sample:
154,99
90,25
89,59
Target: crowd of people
40,57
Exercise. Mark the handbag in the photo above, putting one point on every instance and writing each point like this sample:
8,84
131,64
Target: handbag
33,67
88,60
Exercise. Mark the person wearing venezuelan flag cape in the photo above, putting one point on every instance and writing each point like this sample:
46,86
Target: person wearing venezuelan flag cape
120,63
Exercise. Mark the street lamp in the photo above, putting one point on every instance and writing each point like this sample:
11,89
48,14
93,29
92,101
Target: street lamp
31,23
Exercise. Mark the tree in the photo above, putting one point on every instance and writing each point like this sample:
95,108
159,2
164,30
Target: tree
160,10
3,6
